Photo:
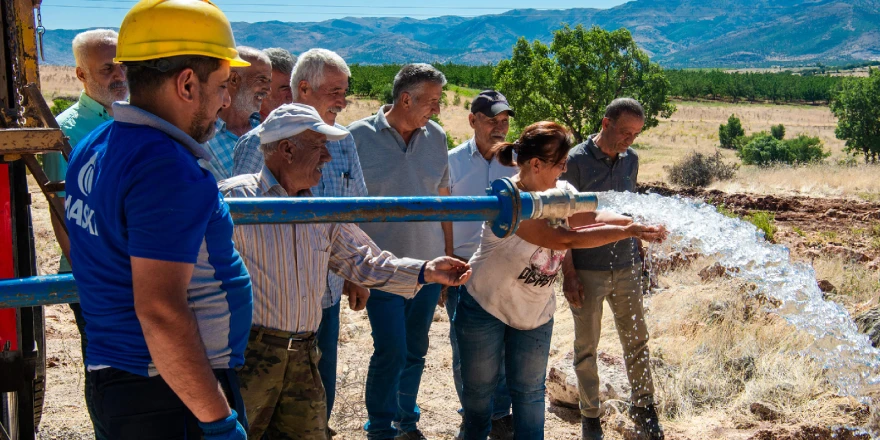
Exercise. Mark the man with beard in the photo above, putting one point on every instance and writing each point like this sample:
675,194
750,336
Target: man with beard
248,86
103,84
320,79
403,153
279,89
165,296
472,169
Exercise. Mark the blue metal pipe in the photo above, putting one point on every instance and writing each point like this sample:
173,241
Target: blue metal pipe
38,291
504,208
251,211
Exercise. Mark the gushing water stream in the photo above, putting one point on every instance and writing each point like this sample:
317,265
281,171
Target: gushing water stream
850,362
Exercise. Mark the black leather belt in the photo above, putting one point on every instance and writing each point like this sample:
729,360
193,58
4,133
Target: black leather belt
288,342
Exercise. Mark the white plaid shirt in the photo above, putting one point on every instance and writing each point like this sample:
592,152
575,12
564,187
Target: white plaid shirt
341,177
288,263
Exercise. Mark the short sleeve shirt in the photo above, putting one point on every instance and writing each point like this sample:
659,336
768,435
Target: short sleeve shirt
591,170
136,190
393,168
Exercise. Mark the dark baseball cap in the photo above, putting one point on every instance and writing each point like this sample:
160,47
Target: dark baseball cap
490,103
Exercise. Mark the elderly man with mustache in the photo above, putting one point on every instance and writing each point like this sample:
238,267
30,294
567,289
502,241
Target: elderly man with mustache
248,86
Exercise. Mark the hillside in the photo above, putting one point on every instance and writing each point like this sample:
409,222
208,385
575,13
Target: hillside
677,33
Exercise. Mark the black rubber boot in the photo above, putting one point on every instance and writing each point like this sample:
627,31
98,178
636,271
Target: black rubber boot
591,428
647,422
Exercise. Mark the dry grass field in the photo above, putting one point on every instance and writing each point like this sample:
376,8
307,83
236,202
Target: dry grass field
715,350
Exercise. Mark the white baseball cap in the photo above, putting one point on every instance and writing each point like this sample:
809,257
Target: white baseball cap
292,119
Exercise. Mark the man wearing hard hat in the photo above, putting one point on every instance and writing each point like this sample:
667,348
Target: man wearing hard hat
166,298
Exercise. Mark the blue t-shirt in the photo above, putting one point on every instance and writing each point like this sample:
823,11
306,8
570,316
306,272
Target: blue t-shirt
136,189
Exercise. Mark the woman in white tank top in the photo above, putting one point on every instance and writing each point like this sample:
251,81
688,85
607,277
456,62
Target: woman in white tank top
505,314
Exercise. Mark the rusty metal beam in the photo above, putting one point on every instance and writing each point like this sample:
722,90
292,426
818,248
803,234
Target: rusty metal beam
37,104
31,140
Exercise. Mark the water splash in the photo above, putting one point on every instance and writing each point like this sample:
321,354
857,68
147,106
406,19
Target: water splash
850,362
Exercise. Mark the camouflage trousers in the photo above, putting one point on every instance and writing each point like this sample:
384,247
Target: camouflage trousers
282,389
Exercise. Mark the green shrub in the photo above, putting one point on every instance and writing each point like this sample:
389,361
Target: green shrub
764,149
59,105
729,134
764,221
807,149
699,170
456,100
777,131
467,105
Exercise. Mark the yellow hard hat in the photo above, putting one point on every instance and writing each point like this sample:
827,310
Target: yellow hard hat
165,28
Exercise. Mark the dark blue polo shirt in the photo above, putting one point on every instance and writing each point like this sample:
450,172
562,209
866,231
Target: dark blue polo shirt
591,170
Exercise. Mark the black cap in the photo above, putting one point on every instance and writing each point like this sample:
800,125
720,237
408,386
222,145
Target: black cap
490,103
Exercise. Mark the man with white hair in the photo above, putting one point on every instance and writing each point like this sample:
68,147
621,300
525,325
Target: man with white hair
320,79
288,264
104,83
279,90
248,86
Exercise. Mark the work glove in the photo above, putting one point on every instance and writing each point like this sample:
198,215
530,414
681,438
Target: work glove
226,429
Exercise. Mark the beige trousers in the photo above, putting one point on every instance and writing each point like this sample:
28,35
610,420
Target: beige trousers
623,290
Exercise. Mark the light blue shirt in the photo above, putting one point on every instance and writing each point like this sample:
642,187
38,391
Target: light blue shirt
76,122
469,175
341,177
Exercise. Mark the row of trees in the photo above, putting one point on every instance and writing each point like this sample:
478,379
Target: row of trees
775,87
375,80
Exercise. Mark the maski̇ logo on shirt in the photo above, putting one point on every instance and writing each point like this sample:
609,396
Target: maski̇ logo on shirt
87,175
77,211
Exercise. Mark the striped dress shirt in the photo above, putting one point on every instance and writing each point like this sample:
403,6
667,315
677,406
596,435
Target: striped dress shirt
342,177
288,263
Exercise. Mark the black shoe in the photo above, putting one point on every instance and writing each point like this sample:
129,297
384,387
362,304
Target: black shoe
591,428
646,421
502,429
412,435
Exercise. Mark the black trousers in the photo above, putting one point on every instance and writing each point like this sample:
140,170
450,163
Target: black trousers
133,407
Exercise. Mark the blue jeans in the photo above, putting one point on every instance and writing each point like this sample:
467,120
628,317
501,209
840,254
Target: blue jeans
485,344
400,342
328,344
501,398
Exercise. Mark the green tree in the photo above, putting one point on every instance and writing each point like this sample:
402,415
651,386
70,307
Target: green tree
573,79
730,134
778,131
856,104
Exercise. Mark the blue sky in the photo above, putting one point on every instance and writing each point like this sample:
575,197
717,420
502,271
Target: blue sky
78,14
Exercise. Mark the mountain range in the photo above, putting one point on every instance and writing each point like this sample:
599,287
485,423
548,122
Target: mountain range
676,33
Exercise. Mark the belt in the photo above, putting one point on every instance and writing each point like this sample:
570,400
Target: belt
288,342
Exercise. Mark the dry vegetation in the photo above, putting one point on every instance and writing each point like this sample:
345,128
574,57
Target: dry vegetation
716,349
